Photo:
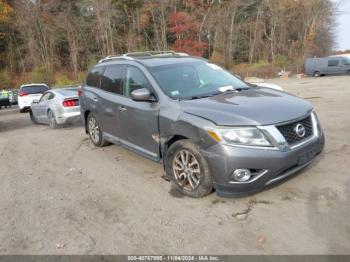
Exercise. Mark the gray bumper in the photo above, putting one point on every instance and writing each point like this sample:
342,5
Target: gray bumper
224,159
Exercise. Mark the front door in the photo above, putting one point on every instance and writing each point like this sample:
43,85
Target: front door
41,108
139,120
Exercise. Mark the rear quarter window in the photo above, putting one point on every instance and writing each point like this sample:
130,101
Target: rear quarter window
94,77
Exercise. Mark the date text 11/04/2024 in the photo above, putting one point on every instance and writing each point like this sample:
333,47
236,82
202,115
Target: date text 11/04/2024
173,258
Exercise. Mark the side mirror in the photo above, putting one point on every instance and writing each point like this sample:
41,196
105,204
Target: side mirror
35,101
142,94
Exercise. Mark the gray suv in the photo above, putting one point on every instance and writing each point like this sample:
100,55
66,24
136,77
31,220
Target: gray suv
210,129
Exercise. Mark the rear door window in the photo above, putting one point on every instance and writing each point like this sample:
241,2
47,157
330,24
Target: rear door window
112,79
94,77
39,89
333,62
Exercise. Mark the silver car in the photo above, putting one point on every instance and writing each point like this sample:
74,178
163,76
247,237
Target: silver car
56,107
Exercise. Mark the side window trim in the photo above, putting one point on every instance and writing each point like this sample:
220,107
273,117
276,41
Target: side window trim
150,87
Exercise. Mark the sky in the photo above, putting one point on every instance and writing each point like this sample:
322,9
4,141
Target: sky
342,32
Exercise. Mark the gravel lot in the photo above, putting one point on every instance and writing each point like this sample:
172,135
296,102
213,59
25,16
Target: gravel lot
61,195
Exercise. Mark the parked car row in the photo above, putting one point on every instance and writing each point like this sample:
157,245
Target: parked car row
209,129
8,98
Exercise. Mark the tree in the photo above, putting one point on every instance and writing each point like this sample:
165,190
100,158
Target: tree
186,29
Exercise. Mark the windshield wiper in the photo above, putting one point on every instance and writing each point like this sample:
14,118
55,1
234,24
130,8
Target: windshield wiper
200,96
229,91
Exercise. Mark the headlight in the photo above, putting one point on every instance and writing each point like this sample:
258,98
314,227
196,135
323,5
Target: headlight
249,136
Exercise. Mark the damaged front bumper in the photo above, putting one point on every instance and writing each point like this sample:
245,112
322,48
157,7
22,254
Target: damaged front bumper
271,166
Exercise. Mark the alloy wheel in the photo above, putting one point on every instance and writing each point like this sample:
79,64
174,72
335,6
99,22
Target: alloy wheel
94,130
186,170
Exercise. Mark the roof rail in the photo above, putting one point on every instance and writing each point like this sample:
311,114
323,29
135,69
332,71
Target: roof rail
114,57
135,55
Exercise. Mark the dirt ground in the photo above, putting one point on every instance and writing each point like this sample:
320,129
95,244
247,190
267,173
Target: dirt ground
61,195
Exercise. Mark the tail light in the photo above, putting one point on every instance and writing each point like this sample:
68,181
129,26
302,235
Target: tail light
22,94
70,103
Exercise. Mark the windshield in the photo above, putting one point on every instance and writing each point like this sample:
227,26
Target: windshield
195,80
39,89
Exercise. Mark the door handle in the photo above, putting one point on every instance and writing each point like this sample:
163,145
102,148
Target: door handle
122,108
95,99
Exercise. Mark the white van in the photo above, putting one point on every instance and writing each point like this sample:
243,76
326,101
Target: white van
333,65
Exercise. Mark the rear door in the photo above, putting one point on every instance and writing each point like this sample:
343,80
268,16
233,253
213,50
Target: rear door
91,91
139,129
109,95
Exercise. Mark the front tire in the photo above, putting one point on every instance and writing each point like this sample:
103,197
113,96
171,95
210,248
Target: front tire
188,170
349,72
32,117
95,132
317,74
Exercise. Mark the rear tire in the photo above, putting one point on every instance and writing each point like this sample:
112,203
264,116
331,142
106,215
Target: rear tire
52,120
317,74
349,72
95,132
188,170
22,110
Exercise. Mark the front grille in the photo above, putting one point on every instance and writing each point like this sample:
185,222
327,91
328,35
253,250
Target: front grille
289,133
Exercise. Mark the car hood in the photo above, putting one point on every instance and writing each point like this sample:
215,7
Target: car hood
254,106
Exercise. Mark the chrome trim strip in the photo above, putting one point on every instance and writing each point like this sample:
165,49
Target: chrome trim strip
274,136
288,173
251,147
250,181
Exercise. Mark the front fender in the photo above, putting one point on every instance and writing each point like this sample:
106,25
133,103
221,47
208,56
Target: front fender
184,126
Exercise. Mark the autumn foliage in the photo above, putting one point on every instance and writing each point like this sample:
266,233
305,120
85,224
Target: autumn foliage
185,30
58,41
5,11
